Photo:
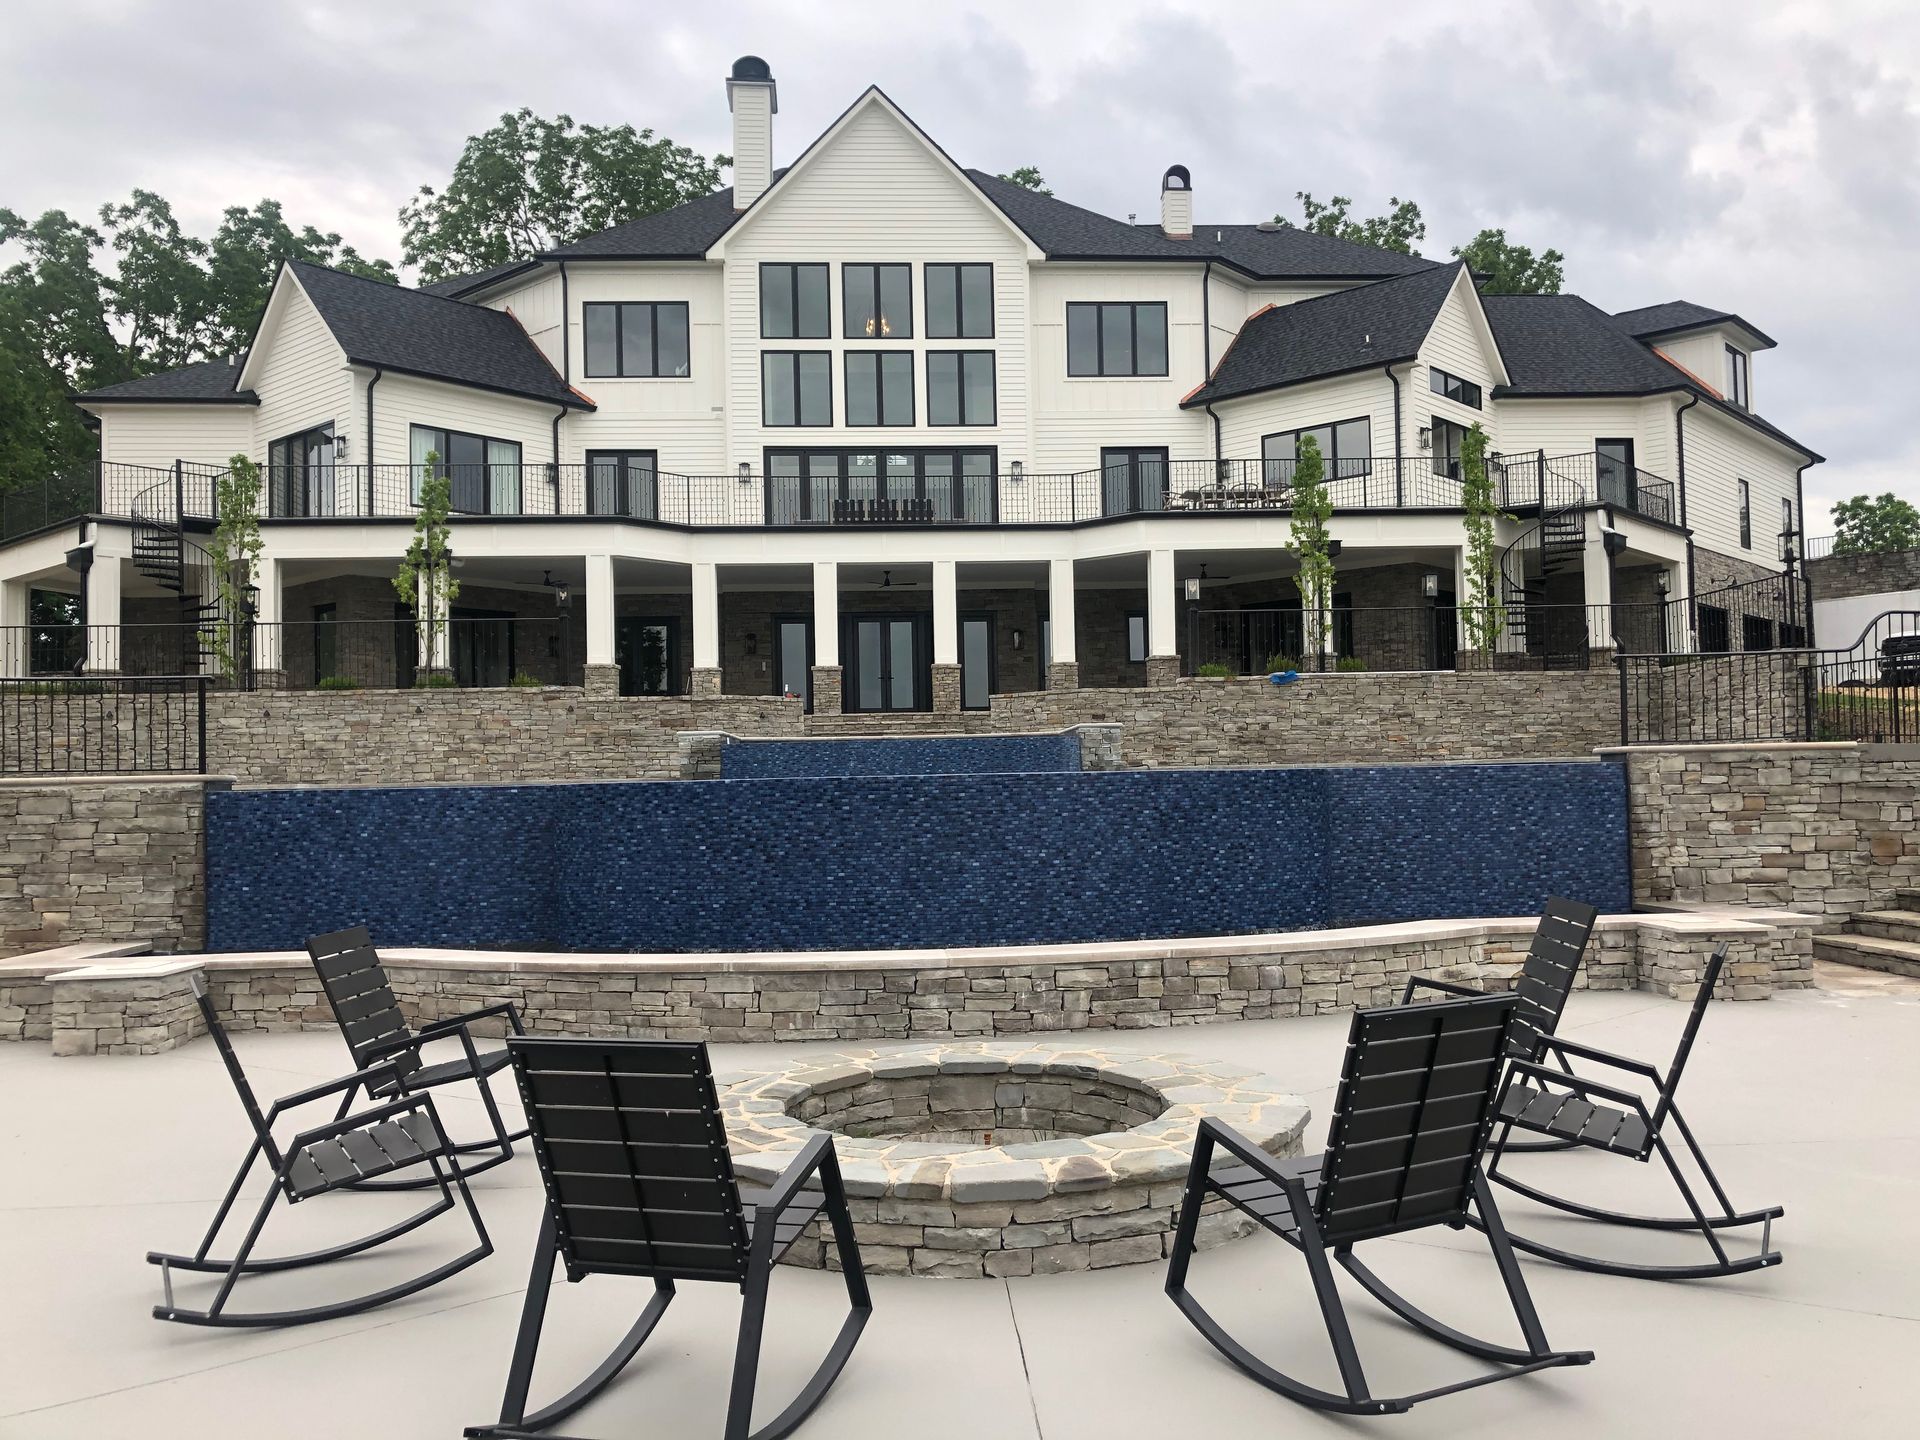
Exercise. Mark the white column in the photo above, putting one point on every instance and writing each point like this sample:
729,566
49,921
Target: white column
946,612
1162,626
1461,599
599,610
706,616
1061,649
826,612
435,634
1597,585
103,615
1680,634
14,647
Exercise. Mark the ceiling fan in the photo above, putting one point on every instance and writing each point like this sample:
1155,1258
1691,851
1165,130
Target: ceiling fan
885,582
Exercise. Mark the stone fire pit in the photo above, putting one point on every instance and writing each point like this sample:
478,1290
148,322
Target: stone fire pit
1005,1158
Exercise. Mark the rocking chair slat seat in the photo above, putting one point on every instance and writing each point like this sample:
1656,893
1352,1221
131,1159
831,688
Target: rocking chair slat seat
362,1154
446,1071
1261,1197
791,1222
1568,1117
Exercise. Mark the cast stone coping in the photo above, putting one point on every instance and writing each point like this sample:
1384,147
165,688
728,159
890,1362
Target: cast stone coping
67,780
1725,747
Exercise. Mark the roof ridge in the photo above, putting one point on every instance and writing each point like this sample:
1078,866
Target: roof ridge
394,287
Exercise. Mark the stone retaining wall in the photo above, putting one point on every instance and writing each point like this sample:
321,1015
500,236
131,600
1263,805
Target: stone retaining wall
1841,577
1827,829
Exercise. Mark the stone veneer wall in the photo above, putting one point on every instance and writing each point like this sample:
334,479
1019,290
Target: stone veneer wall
1827,829
103,858
1342,719
135,1007
1841,577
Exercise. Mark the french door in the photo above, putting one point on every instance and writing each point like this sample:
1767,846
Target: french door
1618,479
888,663
830,487
648,654
623,482
1132,480
793,657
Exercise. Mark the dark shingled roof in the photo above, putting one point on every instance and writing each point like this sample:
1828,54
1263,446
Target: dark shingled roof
457,285
1349,330
1650,322
682,233
428,335
210,382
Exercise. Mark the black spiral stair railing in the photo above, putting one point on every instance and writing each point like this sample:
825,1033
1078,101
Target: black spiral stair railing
1553,635
163,554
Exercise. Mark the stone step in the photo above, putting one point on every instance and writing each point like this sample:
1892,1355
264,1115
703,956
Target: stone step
1907,900
1897,957
1887,925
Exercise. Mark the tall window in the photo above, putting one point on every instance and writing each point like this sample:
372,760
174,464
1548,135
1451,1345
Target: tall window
879,388
1105,339
796,387
960,302
1346,447
484,473
960,387
1449,440
1746,514
1739,389
637,340
877,302
793,303
300,478
1137,636
1454,388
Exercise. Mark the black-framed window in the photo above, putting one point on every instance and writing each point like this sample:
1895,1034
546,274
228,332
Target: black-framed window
879,387
1756,632
1715,634
1137,637
624,482
938,486
1452,387
300,476
1133,479
1346,448
876,302
484,472
1739,377
1449,444
978,663
637,340
959,302
647,650
1745,493
796,387
794,303
960,387
1117,339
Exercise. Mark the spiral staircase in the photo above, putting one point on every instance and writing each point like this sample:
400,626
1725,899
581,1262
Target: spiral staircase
1553,637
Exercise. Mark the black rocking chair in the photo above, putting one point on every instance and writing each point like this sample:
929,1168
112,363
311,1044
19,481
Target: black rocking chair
1561,1104
1546,979
640,1181
1414,1109
378,1038
401,1133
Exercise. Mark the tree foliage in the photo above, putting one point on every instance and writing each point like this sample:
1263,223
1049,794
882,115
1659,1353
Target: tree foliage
1028,177
1401,228
425,580
1867,524
1310,539
530,183
234,551
1484,613
1509,268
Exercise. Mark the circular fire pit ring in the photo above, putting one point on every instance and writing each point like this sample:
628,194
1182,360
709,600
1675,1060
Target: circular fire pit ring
1005,1157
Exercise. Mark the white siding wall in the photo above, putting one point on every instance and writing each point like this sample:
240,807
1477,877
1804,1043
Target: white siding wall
1721,451
161,434
536,306
1706,357
303,381
402,401
1454,344
1243,422
1570,426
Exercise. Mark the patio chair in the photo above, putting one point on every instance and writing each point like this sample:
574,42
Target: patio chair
379,1039
640,1182
1546,979
1415,1104
1561,1104
400,1133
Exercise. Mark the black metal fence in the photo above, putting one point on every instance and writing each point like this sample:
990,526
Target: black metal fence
468,653
104,725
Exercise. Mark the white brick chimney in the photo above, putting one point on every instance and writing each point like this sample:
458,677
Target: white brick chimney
754,102
1176,203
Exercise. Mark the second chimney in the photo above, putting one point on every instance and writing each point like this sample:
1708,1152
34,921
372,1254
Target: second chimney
754,102
1176,203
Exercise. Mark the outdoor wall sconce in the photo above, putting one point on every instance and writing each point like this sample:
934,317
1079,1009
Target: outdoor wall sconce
746,473
1430,585
753,643
562,595
1193,592
1660,583
1019,638
1019,470
1426,437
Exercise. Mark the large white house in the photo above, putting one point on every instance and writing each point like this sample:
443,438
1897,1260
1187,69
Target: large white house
890,433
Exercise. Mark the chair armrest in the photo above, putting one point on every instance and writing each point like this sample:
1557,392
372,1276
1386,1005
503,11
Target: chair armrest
1241,1148
1580,1086
1602,1057
485,1012
1417,982
816,1152
370,1076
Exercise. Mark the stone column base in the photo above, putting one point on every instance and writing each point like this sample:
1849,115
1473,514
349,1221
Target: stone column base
946,689
1099,746
1063,675
95,1014
700,753
602,681
706,683
826,689
1163,670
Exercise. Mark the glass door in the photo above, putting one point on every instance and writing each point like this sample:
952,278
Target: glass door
623,482
1132,480
793,657
976,662
1618,479
648,654
889,666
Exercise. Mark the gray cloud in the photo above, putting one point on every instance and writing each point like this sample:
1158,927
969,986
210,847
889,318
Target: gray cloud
1766,167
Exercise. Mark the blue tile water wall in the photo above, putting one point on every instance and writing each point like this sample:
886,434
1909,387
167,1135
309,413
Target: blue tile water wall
901,755
910,861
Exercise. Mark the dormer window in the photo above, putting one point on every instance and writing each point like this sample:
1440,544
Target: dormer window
1739,386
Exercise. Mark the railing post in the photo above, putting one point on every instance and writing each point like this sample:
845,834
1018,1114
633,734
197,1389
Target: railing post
201,689
370,499
1620,662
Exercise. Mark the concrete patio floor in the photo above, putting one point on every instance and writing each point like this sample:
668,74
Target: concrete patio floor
1811,1100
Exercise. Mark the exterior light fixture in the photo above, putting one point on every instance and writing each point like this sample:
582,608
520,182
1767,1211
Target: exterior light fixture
1019,638
562,595
1019,470
1660,583
746,473
1193,591
1426,437
1430,585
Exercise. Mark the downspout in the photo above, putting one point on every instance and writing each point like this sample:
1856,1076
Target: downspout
566,347
1206,340
1800,524
377,373
1216,432
1680,458
554,475
1399,478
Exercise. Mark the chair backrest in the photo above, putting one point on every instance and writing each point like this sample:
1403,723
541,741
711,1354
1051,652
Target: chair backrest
361,996
1415,1104
1553,959
633,1154
255,1116
1702,998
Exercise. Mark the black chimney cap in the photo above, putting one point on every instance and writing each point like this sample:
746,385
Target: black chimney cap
751,67
1177,178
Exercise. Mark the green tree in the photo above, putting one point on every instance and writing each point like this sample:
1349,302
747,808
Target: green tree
1511,269
235,551
529,184
1401,228
1484,614
425,580
1028,177
1870,523
245,254
159,292
1310,539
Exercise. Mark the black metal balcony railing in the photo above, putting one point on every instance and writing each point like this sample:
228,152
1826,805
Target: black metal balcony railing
110,724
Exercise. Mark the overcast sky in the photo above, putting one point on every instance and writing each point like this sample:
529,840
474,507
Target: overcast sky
1760,158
